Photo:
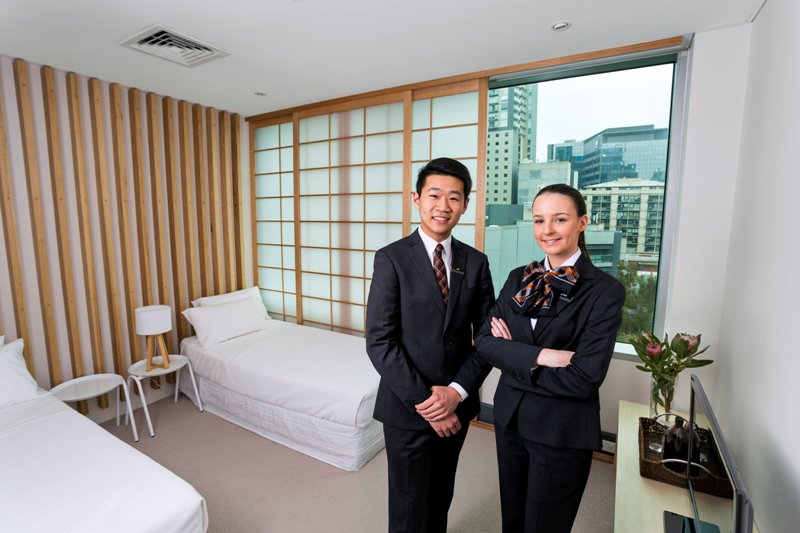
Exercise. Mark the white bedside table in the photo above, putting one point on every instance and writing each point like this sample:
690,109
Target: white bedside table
94,385
138,371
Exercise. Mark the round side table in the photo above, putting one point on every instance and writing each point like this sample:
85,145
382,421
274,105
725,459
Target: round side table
138,371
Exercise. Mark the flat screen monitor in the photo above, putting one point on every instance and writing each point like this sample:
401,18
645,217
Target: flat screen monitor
719,497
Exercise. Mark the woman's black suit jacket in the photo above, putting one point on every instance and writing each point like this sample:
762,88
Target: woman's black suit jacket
558,407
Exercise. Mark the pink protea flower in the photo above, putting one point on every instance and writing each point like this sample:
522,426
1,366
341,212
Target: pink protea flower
649,337
692,341
654,350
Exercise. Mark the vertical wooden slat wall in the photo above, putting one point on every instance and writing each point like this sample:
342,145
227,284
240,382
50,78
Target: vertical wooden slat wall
109,187
9,221
30,157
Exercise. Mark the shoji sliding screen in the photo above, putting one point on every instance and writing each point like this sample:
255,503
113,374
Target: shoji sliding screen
333,185
448,126
350,198
274,218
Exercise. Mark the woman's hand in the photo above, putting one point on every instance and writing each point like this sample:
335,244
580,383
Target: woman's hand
554,358
500,329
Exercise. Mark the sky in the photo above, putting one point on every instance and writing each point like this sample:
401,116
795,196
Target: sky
577,108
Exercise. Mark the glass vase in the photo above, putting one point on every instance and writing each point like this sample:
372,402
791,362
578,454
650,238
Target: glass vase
662,392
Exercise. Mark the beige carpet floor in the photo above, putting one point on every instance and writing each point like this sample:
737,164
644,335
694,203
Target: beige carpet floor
252,485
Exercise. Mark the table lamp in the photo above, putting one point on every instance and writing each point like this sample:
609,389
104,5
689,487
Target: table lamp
153,321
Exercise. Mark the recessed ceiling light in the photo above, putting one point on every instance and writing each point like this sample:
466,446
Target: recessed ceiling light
561,26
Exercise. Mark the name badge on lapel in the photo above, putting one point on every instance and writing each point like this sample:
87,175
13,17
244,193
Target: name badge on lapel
565,298
456,270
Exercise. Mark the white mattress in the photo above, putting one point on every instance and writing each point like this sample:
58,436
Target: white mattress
63,472
309,389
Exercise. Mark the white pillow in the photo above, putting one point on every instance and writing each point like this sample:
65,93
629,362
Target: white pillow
252,292
218,323
16,383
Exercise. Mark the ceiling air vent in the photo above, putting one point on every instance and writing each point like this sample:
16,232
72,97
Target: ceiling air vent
173,46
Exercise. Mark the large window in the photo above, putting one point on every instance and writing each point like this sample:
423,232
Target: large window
604,131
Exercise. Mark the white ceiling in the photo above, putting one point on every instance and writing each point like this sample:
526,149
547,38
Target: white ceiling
305,51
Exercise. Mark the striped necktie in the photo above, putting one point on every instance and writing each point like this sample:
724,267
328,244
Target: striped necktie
440,271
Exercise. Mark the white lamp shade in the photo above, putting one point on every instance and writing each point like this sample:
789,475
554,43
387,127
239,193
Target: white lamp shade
153,319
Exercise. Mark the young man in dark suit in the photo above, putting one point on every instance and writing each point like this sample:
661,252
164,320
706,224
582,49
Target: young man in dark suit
429,294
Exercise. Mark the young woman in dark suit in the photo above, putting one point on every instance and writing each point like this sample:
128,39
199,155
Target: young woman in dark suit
552,334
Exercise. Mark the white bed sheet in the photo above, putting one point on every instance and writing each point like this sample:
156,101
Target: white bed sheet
63,472
319,373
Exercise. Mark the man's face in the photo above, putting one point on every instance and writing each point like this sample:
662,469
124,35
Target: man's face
441,204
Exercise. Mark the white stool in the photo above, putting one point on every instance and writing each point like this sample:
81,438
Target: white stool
138,371
91,386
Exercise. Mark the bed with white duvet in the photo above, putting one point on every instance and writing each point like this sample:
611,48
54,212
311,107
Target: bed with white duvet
309,389
59,471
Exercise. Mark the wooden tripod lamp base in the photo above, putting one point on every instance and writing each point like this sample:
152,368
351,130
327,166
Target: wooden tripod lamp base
152,321
152,340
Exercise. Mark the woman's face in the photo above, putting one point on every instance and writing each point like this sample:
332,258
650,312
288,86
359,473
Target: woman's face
557,226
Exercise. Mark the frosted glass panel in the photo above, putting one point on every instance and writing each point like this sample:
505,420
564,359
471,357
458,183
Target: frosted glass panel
269,185
347,179
383,118
379,235
384,207
347,207
314,208
465,233
385,178
267,162
287,208
290,304
455,142
347,289
287,159
369,263
288,256
314,181
268,232
287,184
316,285
289,282
315,155
421,146
347,236
287,232
270,278
314,234
314,128
385,148
347,123
472,166
469,216
421,114
455,109
266,137
316,260
269,256
316,310
287,134
268,209
273,301
347,263
347,152
415,168
348,316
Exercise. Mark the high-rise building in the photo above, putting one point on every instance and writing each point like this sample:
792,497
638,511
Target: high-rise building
634,207
502,161
616,153
534,176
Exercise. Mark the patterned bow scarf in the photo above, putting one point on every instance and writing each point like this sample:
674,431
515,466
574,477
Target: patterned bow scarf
537,287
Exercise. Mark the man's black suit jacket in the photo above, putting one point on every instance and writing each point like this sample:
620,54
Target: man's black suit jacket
559,407
414,342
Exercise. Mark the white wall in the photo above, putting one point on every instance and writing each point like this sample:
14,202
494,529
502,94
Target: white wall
754,395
